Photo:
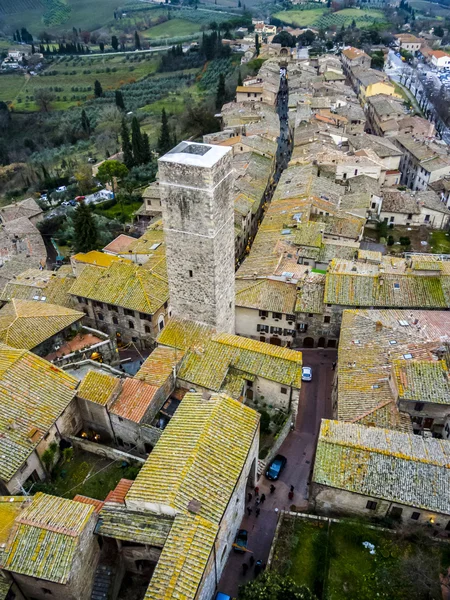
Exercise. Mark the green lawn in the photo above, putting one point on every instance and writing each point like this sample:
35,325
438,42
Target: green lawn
172,28
324,18
333,562
70,478
440,242
116,211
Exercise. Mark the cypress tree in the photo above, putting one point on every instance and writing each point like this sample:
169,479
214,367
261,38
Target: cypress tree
220,96
257,46
239,78
137,41
164,142
136,142
85,123
119,100
98,90
146,154
86,233
126,146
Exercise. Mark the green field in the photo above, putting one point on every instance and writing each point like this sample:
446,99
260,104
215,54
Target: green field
37,15
333,562
74,79
430,8
324,18
172,28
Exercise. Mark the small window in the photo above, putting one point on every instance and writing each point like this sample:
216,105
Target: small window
290,317
120,441
80,300
310,314
115,320
371,505
100,317
327,319
276,315
415,516
396,512
191,274
284,390
396,286
147,329
418,406
46,591
129,312
249,383
131,324
410,216
407,356
134,340
391,220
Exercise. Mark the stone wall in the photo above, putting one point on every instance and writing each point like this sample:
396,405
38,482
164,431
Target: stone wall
104,451
130,435
278,442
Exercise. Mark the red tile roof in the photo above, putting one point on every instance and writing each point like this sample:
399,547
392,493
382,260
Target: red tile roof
134,400
119,244
97,504
121,490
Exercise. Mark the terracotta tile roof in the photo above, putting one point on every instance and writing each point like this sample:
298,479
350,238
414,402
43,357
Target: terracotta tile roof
25,208
119,244
99,388
199,456
45,542
123,284
117,495
381,463
134,400
33,394
97,504
266,294
26,324
353,53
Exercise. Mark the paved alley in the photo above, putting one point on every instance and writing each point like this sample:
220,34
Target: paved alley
298,448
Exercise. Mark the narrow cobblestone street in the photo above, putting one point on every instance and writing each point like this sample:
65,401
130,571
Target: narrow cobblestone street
298,448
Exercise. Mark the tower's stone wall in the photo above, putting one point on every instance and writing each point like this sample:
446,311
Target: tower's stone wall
197,204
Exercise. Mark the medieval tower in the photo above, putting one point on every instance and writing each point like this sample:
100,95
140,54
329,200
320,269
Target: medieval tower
196,182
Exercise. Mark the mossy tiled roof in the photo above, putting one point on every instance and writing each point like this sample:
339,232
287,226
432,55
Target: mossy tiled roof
200,456
387,290
158,367
123,284
98,387
422,380
419,263
185,334
266,294
310,293
33,394
182,563
42,286
45,541
309,234
97,258
142,528
209,367
10,509
26,323
381,463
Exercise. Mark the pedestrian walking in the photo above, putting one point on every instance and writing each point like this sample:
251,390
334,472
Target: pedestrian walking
250,496
291,495
256,490
257,501
292,488
262,499
252,561
272,488
333,366
257,511
249,510
244,569
258,567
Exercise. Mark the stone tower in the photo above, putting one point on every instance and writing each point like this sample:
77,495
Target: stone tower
196,183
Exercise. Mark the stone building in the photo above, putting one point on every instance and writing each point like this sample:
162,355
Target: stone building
375,472
198,213
126,300
27,208
421,163
413,209
51,550
41,285
32,415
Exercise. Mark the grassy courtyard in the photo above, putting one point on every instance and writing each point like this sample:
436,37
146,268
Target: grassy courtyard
334,563
86,474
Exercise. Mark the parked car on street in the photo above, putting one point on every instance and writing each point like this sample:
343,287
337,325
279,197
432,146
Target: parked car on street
241,541
276,466
221,596
306,373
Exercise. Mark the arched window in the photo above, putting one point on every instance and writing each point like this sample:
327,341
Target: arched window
115,320
100,317
131,324
160,322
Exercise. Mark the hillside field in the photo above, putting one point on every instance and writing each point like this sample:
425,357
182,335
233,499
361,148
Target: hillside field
319,17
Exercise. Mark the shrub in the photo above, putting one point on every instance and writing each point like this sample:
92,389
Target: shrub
265,421
405,241
390,240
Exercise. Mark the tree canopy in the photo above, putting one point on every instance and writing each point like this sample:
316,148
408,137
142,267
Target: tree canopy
85,229
273,586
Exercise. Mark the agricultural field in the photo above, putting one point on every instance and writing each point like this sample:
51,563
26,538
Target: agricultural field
430,9
56,15
322,18
336,563
172,28
72,79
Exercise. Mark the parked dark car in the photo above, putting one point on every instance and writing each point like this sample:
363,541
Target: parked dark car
241,541
275,467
